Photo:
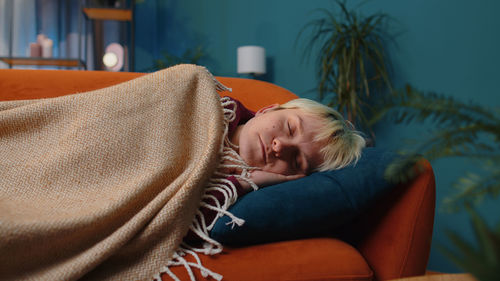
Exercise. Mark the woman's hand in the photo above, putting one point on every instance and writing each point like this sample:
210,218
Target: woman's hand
263,178
259,177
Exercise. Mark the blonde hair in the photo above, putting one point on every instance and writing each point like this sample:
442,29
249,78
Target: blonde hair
343,142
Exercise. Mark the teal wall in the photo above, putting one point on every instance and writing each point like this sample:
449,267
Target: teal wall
446,46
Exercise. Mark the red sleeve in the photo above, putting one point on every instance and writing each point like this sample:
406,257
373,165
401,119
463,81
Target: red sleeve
243,114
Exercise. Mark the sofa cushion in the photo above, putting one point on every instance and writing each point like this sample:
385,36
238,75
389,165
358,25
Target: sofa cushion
312,206
325,259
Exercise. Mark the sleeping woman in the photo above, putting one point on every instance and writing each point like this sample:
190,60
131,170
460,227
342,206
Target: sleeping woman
282,143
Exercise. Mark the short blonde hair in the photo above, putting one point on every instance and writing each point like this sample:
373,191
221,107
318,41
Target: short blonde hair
343,143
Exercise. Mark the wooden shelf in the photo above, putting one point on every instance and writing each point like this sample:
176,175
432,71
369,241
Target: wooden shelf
108,14
96,14
43,61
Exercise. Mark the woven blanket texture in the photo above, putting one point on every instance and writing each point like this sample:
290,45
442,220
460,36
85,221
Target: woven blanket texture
103,185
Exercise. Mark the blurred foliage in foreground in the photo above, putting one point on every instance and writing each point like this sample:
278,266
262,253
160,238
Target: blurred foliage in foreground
461,130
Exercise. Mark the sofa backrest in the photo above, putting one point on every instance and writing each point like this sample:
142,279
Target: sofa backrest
19,84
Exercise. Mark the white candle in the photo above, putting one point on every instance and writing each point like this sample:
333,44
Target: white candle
47,48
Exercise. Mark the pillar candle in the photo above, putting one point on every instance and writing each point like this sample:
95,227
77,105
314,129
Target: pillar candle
47,48
35,50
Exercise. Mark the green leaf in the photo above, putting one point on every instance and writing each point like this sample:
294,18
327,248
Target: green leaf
484,262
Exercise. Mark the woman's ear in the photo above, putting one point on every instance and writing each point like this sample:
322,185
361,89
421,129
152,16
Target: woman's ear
267,108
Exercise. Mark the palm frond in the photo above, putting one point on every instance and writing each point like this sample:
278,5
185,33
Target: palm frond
472,189
403,169
409,104
482,261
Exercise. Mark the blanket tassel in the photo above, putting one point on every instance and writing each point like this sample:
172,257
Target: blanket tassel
179,259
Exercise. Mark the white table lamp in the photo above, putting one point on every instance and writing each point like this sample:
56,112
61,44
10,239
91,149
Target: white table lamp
251,60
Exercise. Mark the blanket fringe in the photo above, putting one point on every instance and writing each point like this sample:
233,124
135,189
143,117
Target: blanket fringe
179,259
218,85
218,182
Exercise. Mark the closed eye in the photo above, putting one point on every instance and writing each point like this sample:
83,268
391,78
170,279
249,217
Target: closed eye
290,131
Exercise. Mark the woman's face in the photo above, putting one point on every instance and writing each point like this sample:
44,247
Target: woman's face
281,141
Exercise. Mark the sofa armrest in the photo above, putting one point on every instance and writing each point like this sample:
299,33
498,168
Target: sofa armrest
395,235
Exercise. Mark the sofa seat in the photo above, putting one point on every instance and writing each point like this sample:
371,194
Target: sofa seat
280,261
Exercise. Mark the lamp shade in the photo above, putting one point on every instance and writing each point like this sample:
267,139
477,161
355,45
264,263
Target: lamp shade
251,59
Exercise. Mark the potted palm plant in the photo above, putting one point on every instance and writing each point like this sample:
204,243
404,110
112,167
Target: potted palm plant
351,60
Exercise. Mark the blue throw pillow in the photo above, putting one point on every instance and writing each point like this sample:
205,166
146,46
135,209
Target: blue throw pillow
311,206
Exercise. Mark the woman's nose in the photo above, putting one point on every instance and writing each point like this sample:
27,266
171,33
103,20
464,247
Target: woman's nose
279,147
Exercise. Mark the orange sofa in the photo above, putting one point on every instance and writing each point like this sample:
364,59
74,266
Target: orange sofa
391,240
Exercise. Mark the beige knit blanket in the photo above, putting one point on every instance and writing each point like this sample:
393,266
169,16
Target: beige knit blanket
105,184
